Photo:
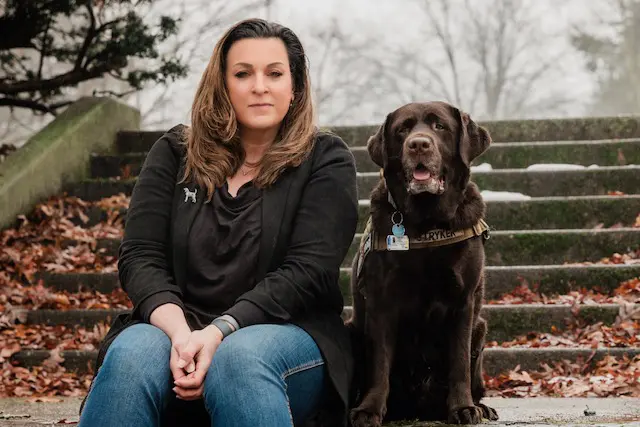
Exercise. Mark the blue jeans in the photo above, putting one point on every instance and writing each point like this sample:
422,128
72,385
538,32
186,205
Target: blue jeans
261,375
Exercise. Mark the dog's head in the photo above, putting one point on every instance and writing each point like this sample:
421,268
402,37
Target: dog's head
428,147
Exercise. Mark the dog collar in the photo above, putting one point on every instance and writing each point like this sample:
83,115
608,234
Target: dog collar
432,238
375,241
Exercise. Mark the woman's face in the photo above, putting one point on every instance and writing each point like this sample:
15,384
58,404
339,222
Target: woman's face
259,82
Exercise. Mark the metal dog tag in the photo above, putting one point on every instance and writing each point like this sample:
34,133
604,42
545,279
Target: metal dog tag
397,243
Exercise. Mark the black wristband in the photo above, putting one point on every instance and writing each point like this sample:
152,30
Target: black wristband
224,327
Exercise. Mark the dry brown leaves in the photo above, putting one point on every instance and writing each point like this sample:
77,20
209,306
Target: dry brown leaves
609,377
629,258
53,237
627,292
40,337
41,297
625,332
42,381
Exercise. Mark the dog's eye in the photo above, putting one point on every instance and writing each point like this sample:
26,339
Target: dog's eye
438,126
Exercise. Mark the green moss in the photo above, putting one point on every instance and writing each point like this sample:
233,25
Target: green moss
558,279
60,153
568,129
606,153
543,183
507,322
548,280
561,183
546,248
568,213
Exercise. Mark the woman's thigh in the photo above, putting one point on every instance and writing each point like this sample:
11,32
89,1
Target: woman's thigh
141,349
262,358
134,379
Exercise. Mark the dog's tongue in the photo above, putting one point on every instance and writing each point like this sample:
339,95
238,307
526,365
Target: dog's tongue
421,175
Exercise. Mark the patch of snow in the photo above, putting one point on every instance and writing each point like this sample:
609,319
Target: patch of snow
488,195
554,167
481,168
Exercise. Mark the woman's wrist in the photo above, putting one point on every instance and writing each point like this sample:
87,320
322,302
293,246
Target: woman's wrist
215,331
170,318
225,324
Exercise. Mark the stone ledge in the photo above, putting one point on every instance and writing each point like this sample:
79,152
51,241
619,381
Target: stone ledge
60,153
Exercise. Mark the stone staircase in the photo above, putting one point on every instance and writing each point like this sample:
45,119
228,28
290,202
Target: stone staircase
554,240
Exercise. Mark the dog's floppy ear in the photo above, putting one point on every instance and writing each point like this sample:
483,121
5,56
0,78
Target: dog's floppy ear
473,139
375,144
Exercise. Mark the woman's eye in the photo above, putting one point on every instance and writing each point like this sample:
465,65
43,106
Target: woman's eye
242,74
276,74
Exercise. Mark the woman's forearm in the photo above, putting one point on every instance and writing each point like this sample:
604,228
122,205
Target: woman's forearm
170,318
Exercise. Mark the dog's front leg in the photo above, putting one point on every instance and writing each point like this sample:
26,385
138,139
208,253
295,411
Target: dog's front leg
459,401
380,329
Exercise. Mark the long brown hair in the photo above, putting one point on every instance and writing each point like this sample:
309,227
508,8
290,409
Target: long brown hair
213,150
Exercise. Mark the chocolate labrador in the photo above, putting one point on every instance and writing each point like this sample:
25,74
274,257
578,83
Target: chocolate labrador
417,280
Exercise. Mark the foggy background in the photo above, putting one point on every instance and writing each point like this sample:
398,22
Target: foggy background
496,59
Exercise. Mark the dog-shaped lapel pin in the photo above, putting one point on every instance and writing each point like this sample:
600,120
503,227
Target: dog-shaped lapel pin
190,195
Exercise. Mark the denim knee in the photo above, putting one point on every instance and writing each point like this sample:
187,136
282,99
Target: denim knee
140,354
133,384
236,364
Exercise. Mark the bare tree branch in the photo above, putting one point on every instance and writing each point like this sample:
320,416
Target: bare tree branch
499,43
91,32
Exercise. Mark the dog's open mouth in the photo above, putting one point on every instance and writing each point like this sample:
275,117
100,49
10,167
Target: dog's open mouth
425,181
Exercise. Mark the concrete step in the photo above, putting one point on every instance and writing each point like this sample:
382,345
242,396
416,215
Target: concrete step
506,322
535,213
548,247
611,152
549,279
568,129
110,166
515,155
95,189
509,247
538,411
540,213
535,183
587,182
496,360
500,156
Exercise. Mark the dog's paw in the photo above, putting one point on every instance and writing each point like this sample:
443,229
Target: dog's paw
362,418
487,412
465,415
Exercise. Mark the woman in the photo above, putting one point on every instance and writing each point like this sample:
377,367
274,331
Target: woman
235,233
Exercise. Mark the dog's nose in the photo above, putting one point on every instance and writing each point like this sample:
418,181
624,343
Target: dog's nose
420,143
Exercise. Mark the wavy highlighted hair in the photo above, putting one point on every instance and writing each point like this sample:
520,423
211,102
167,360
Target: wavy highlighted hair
214,151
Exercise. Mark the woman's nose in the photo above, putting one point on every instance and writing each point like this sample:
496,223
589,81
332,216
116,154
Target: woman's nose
259,84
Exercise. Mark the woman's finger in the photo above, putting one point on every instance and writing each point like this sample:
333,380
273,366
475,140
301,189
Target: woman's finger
203,361
173,365
187,354
189,394
188,382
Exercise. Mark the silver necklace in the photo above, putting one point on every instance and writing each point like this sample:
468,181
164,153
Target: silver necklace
251,167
